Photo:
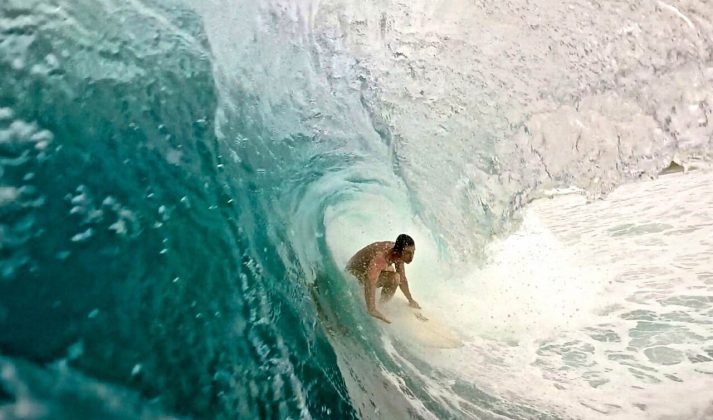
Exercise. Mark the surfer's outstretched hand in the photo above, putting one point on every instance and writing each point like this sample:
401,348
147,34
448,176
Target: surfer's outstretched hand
414,304
378,315
420,317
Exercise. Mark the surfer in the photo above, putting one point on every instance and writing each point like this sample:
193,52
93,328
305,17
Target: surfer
381,264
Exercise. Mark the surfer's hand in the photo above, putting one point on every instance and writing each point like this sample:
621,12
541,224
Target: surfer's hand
414,304
378,315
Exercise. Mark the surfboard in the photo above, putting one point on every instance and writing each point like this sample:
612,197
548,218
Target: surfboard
415,326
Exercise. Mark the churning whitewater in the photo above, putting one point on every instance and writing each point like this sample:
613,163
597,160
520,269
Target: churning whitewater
182,184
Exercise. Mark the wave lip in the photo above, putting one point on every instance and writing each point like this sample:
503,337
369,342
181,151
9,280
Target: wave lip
486,104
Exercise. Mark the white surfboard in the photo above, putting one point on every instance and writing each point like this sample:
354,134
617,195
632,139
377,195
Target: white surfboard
416,326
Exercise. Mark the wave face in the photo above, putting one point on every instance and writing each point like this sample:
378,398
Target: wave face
181,184
132,241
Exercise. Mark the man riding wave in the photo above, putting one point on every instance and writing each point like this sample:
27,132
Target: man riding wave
381,265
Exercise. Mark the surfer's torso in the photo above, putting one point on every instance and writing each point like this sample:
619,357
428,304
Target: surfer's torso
376,253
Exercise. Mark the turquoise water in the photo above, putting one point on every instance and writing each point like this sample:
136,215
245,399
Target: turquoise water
134,248
180,185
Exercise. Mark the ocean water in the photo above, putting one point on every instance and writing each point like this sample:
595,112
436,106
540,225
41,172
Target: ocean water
607,310
182,182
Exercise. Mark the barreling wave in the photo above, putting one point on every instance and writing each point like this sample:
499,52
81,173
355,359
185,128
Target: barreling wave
181,184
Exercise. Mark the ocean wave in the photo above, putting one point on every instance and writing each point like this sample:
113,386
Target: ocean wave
182,184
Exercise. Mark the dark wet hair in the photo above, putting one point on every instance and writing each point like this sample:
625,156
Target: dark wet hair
402,242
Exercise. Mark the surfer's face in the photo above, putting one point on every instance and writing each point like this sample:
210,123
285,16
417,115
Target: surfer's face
407,255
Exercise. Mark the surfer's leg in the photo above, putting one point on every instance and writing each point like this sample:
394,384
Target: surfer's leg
359,276
390,281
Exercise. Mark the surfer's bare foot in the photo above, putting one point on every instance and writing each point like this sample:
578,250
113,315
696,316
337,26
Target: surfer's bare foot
414,304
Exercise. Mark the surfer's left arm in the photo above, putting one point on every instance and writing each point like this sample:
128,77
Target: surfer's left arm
403,284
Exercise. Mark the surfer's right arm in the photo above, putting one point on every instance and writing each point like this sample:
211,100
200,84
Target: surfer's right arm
370,292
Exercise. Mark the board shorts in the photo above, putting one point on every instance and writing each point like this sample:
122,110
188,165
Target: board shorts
385,277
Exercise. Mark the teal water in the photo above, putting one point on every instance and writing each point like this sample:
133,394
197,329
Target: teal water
134,249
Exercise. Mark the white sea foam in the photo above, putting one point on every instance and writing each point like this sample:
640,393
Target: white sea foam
596,309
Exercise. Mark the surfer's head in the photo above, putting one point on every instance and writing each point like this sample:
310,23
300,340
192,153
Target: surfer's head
404,248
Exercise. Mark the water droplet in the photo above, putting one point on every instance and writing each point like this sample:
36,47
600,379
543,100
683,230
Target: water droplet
119,227
83,236
136,370
75,350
